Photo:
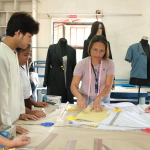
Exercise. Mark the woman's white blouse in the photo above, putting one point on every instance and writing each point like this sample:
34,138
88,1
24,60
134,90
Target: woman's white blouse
26,83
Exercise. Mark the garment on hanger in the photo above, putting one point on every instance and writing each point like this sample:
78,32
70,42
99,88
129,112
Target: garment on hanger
56,68
138,59
85,49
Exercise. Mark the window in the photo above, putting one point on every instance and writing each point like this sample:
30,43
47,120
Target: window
74,30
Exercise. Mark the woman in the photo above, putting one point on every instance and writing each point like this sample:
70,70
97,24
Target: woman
23,57
96,73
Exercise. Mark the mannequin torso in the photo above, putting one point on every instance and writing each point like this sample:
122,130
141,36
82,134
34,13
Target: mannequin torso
145,47
60,63
63,46
138,81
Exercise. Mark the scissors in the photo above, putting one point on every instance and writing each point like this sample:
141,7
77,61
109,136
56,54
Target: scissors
46,124
74,118
117,109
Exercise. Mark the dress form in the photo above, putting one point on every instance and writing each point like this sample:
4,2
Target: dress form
138,81
63,46
54,77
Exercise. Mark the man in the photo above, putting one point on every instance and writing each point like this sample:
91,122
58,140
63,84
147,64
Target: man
20,29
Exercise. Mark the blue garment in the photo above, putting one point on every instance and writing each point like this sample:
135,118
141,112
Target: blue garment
138,59
106,100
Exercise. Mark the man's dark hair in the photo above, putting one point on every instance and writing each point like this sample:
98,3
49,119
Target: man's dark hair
22,21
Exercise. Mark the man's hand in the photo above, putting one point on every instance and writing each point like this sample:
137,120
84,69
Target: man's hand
147,110
41,104
27,117
97,105
37,113
21,130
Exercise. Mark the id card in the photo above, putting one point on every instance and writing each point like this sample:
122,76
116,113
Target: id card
96,88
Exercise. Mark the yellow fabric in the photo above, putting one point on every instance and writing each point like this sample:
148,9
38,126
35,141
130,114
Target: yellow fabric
93,116
71,118
117,109
75,118
71,108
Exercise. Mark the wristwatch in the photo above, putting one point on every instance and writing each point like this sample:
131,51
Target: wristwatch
100,97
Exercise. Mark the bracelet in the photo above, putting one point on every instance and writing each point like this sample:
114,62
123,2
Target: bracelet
100,97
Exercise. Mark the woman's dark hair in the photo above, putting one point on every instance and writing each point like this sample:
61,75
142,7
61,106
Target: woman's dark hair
22,21
94,29
99,38
18,49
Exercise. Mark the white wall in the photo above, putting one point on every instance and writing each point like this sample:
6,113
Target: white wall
121,31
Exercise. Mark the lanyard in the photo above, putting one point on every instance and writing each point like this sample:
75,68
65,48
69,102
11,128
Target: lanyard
96,77
90,77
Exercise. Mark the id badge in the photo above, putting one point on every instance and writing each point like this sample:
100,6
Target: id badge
96,88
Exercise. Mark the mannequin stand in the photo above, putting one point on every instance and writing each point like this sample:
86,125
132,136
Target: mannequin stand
139,83
141,100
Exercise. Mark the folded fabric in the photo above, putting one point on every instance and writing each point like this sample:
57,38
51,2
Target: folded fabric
94,116
146,130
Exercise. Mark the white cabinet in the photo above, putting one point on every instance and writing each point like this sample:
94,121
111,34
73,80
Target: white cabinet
8,7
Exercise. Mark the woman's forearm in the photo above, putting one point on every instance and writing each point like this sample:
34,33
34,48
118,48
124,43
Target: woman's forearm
105,91
75,91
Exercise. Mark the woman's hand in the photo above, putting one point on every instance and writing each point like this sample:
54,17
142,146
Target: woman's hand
81,102
96,105
147,110
74,89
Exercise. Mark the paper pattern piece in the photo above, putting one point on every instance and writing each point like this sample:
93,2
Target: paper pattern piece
93,116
